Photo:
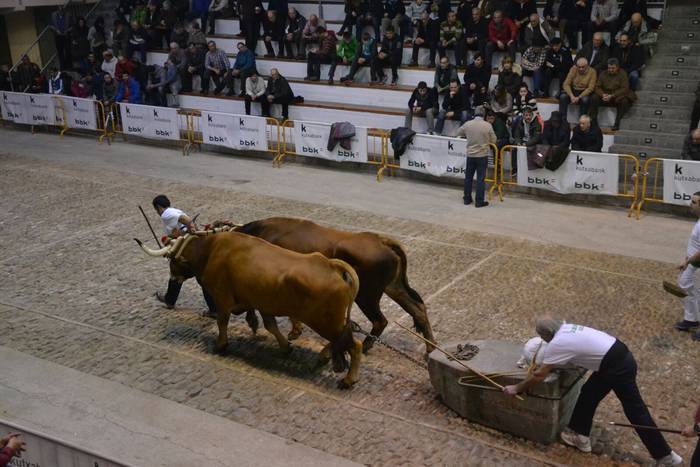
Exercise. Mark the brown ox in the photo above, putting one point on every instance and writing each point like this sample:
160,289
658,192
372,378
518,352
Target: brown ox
380,263
242,273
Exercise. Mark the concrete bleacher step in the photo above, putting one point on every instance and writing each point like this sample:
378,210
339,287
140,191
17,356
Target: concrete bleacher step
646,138
654,125
660,112
682,11
676,61
679,48
645,151
690,35
662,98
668,86
671,74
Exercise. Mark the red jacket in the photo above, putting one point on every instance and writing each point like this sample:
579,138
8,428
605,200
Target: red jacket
507,32
328,43
6,456
121,68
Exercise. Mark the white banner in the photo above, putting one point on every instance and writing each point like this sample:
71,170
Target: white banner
234,131
589,173
311,139
40,109
681,180
436,155
14,107
80,113
150,122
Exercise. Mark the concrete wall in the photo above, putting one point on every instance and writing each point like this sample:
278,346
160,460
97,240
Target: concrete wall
21,32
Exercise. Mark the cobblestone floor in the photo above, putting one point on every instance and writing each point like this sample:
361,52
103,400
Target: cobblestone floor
75,290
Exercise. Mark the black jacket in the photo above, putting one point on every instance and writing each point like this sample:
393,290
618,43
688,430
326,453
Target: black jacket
510,80
297,24
556,136
631,59
566,10
274,29
400,139
479,30
561,60
464,10
391,46
479,76
430,101
600,62
457,103
519,11
195,59
591,141
429,32
279,89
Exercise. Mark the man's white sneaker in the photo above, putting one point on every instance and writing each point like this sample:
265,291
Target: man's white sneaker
671,459
580,442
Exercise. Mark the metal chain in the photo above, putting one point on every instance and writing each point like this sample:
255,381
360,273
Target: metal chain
356,328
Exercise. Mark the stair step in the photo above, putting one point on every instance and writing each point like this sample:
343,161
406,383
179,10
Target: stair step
644,152
671,74
676,61
679,48
685,23
690,35
654,125
660,112
673,99
644,138
681,11
668,86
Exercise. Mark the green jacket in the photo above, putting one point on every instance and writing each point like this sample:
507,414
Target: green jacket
347,50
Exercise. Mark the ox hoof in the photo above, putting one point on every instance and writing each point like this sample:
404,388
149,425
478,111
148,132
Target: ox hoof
368,343
343,384
286,350
220,350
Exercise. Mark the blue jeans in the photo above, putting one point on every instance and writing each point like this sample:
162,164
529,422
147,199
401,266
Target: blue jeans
476,165
634,80
463,116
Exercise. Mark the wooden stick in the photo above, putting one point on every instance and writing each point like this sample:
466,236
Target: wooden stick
645,427
155,237
427,341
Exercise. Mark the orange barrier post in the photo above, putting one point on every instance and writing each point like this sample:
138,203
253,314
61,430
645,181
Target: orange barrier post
658,164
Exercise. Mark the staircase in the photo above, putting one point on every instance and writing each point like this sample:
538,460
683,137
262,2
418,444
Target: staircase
659,121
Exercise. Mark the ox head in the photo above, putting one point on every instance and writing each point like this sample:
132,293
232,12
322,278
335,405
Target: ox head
180,263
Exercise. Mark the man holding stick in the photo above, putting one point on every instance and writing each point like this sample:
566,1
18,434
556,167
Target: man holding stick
614,368
686,279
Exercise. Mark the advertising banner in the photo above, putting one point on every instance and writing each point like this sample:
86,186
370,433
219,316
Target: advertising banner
681,180
311,140
241,132
588,173
14,107
80,113
436,155
40,109
150,122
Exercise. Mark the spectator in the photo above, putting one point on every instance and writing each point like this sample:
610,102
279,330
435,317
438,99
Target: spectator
150,24
508,77
423,103
25,74
61,24
476,32
199,10
454,107
557,64
38,85
444,8
500,128
217,9
80,45
501,102
524,99
279,92
216,66
519,11
444,75
196,35
124,66
414,11
476,81
427,36
124,9
255,92
612,89
98,37
310,34
138,14
273,30
281,7
345,53
579,22
56,82
138,40
371,14
5,83
296,25
163,79
629,7
249,22
109,63
631,58
168,20
140,72
586,136
603,17
596,52
194,60
526,130
502,35
178,57
365,56
578,87
90,64
695,115
120,39
352,10
451,37
325,53
480,135
395,16
389,54
556,132
534,44
464,11
11,446
691,146
637,30
180,35
243,67
557,14
129,90
82,87
109,91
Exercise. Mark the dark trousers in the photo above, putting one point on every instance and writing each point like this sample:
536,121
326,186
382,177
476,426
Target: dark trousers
295,41
173,293
231,80
283,102
564,102
313,65
618,373
142,48
63,51
263,104
392,59
363,21
695,461
348,23
268,46
252,29
186,78
218,81
492,47
695,116
432,46
547,75
476,165
572,29
622,104
457,46
356,65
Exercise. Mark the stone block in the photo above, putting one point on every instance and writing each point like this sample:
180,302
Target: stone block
540,417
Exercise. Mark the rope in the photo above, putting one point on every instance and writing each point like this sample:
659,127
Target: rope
356,328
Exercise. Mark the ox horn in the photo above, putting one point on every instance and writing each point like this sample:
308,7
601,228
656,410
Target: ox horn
155,253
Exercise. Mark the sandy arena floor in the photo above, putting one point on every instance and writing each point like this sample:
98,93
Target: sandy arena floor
75,290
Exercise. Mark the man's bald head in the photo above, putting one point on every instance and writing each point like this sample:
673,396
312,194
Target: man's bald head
636,19
597,39
695,136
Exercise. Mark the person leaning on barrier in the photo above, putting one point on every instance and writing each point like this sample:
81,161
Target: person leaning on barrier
10,446
279,92
686,278
255,92
526,130
613,368
479,135
578,87
612,89
423,103
586,136
691,146
129,90
109,91
555,133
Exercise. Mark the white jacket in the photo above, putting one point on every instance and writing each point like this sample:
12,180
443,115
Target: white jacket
256,89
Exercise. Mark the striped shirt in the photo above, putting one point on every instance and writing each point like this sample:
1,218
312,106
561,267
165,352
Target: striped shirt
217,59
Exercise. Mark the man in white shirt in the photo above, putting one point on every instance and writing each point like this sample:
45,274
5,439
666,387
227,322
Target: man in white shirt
686,279
255,88
175,224
614,369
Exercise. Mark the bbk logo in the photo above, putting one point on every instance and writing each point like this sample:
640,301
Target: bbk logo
679,170
587,186
217,139
210,119
303,128
134,129
241,122
416,164
39,118
155,113
579,160
80,122
308,150
347,154
455,170
163,133
681,196
450,146
248,144
539,181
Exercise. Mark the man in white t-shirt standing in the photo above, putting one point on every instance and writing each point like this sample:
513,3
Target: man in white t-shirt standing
686,279
175,224
614,369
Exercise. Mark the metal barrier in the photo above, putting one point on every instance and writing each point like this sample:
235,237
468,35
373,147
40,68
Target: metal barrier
658,166
98,109
668,181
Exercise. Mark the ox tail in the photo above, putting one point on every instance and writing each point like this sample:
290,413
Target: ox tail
344,343
403,267
251,228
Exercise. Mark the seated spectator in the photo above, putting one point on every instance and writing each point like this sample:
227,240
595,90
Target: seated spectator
124,66
98,37
557,14
423,103
367,51
371,14
519,11
310,34
508,77
395,16
526,129
577,88
296,24
451,37
444,75
217,9
556,132
691,146
414,11
255,92
120,39
603,17
38,86
168,19
454,107
637,30
128,90
534,44
586,136
56,82
109,63
500,128
82,87
90,64
476,81
177,56
443,9
427,36
631,58
108,92
251,12
476,32
25,74
197,35
216,66
351,10
612,89
138,40
279,92
502,37
345,53
389,54
325,53
180,36
524,99
596,52
501,103
273,30
194,65
243,66
200,10
629,7
80,45
557,64
5,83
579,22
